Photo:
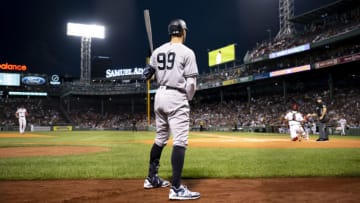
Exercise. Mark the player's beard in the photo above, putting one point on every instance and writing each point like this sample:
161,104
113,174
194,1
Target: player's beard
184,36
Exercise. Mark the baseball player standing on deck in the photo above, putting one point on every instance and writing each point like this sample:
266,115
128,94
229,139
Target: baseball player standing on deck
175,68
21,114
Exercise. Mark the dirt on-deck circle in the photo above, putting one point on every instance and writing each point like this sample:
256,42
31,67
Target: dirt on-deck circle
212,190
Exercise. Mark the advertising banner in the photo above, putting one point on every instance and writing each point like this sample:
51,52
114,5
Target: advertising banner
62,128
261,76
290,70
245,79
229,82
326,63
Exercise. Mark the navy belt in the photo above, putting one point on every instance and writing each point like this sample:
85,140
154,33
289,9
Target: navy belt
175,88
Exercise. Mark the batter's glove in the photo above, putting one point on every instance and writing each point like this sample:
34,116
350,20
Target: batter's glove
148,72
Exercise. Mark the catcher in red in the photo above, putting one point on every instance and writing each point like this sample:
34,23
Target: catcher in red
295,120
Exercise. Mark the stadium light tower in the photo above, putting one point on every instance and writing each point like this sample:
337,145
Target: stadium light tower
286,12
86,32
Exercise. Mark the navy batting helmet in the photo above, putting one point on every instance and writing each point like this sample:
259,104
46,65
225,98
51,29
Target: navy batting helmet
176,27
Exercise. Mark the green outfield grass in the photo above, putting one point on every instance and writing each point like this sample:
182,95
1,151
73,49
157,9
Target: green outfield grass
128,158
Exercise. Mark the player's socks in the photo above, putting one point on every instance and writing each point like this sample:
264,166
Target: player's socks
177,162
155,155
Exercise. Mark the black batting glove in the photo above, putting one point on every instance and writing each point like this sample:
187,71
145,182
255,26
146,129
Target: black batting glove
149,71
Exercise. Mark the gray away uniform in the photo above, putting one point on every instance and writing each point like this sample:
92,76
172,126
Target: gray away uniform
175,63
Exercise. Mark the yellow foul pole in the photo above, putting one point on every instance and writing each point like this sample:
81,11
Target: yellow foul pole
148,97
148,102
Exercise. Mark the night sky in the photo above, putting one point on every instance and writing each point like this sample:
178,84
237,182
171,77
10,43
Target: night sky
33,32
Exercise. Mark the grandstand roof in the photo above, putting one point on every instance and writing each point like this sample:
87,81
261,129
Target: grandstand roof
335,7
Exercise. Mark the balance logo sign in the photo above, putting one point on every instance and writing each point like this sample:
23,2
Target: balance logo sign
12,67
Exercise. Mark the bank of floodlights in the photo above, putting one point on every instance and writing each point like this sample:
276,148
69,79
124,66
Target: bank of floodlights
86,32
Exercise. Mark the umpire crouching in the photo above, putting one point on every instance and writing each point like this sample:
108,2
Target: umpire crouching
321,112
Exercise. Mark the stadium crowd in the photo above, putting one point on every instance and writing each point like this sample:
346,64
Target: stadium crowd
261,112
90,118
328,26
215,79
268,111
42,111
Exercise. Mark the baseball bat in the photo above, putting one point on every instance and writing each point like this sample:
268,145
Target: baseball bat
148,29
149,35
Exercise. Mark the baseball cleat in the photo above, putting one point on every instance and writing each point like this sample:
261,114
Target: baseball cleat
155,182
182,193
322,140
